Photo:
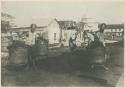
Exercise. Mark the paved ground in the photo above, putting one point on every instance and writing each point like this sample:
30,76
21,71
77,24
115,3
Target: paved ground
67,69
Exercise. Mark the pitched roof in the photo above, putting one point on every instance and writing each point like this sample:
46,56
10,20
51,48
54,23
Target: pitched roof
67,24
26,28
115,26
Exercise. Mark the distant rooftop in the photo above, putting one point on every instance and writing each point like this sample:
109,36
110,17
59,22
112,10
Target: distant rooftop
67,24
26,28
115,26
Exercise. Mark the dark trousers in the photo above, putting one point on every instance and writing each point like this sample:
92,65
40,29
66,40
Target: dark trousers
31,57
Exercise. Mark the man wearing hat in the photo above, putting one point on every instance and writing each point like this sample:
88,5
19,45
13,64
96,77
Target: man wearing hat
30,41
31,37
100,33
88,37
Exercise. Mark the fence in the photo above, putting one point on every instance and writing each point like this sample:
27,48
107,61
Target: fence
5,41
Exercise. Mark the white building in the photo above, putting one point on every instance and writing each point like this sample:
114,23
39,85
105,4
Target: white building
54,32
91,26
114,31
59,32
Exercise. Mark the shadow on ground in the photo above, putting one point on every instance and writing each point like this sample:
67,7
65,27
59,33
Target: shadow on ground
65,63
67,69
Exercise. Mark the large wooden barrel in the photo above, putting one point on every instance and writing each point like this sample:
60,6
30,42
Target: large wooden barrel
18,53
41,48
97,55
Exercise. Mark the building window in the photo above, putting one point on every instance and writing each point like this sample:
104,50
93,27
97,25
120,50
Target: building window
117,34
80,35
117,30
120,34
65,34
113,30
54,36
121,30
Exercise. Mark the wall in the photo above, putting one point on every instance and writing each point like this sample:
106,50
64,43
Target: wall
5,41
54,32
114,34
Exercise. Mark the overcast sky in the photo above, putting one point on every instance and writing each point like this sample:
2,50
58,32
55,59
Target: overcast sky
109,12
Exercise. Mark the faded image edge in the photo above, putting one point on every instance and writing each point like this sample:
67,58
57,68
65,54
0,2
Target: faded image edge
62,44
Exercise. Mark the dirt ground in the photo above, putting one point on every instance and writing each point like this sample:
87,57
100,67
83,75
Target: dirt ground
64,68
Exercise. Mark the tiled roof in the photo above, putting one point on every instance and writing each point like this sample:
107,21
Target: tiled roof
67,24
25,28
115,26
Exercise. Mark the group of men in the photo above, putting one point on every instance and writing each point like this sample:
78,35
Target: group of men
32,36
30,39
89,37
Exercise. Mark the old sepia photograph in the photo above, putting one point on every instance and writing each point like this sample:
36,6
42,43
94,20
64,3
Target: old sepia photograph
62,43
